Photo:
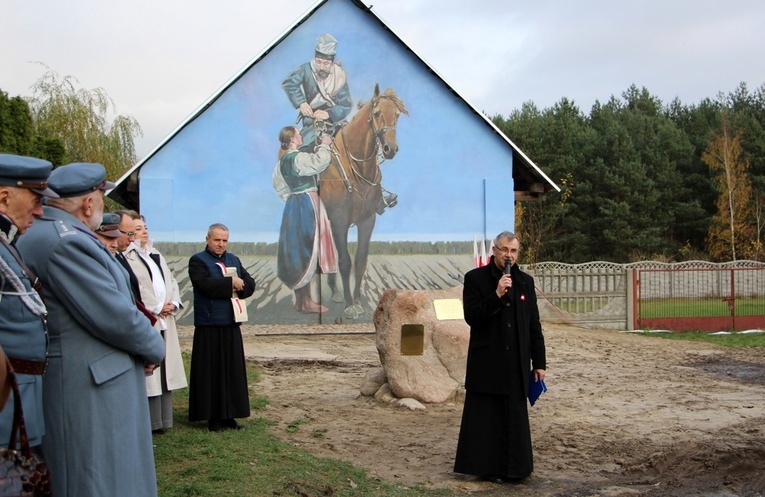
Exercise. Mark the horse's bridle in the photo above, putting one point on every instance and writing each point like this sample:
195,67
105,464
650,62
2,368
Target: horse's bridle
377,134
375,152
372,119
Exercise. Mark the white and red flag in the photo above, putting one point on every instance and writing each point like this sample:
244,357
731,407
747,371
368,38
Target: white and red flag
477,262
484,257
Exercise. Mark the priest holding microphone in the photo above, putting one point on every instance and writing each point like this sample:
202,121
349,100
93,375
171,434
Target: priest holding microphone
506,352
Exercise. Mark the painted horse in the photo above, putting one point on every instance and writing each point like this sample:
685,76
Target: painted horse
351,188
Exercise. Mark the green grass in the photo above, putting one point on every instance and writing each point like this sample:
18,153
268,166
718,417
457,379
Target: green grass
294,426
669,308
732,340
191,461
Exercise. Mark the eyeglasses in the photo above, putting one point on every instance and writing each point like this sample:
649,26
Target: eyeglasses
130,234
505,250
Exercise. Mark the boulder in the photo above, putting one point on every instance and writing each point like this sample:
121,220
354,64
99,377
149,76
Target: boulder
372,382
437,374
411,404
384,395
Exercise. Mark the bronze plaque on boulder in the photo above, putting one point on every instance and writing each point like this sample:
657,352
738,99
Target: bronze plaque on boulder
412,339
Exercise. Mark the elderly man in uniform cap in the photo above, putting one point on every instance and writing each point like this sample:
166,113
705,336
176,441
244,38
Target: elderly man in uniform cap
23,183
109,231
111,235
319,90
98,439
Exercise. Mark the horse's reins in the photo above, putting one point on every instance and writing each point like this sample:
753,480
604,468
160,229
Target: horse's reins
336,152
353,160
348,184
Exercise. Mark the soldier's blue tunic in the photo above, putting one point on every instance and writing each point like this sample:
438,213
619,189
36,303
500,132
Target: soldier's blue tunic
301,87
22,336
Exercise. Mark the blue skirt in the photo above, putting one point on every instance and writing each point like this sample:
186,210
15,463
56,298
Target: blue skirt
296,238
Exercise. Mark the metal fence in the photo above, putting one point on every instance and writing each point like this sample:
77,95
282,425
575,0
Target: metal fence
700,298
653,295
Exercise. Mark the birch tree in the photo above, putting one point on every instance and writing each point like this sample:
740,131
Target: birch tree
730,232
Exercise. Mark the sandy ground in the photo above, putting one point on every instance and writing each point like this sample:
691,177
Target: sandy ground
624,414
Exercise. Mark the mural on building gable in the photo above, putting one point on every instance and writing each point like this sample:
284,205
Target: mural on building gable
330,178
451,173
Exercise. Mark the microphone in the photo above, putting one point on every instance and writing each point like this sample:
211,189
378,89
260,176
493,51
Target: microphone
508,265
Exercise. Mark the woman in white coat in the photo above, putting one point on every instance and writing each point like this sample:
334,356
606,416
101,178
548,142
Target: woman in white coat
160,294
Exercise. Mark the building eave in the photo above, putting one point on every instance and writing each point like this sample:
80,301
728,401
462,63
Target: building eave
127,186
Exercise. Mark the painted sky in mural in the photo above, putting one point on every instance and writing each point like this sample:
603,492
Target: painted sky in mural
452,173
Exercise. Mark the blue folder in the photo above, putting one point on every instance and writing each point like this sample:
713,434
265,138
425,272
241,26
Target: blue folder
536,388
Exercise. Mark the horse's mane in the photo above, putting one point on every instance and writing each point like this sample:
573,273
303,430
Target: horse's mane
389,94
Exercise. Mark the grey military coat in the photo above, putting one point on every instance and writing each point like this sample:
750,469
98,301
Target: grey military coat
98,439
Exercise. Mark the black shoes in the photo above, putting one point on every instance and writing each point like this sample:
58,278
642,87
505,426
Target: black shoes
231,424
499,480
223,424
214,425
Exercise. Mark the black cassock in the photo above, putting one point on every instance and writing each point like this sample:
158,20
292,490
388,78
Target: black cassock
495,437
218,379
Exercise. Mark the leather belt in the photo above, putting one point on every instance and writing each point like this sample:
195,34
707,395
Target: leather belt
24,366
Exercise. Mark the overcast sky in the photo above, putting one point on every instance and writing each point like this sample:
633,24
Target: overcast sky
160,60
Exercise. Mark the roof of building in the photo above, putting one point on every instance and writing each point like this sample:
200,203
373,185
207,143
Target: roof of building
530,181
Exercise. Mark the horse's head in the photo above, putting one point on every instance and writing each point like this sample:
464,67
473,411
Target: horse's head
383,117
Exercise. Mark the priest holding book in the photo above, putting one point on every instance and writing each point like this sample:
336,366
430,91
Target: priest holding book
218,390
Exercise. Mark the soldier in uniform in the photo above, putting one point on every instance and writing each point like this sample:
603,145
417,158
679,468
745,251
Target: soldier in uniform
23,183
98,439
109,231
319,91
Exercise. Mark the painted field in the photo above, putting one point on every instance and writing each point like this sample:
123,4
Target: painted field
272,302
